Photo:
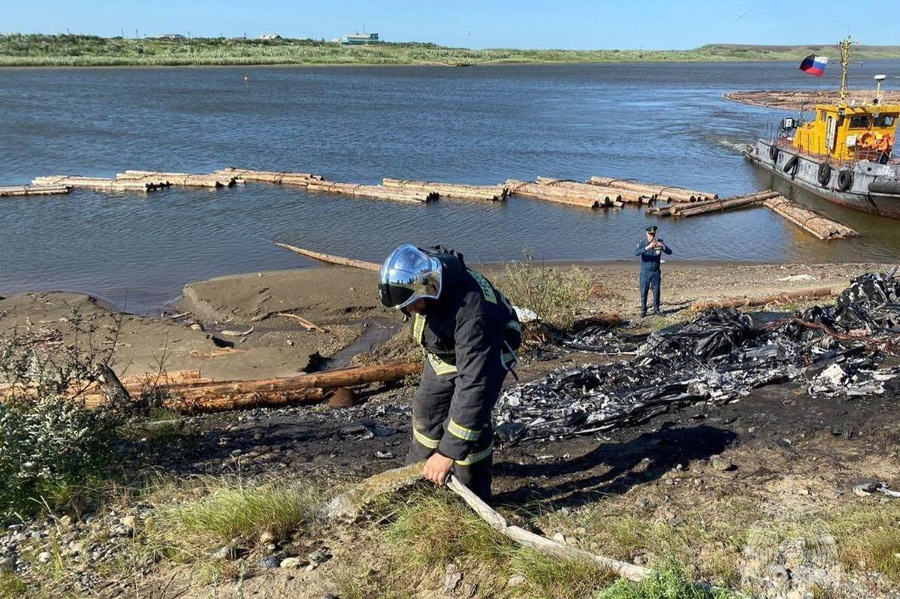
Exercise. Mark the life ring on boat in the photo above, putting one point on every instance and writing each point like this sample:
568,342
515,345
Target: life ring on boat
845,179
824,174
792,164
773,153
867,140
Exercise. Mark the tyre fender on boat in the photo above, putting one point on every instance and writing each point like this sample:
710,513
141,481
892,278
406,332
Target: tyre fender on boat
792,164
773,153
845,179
824,174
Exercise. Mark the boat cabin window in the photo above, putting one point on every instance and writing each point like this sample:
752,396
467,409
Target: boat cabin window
859,122
886,120
822,115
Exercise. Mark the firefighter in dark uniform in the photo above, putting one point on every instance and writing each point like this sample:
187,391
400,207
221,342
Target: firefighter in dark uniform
469,333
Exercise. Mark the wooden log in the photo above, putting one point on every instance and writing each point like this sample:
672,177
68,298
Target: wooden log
195,397
96,183
179,179
723,205
542,544
491,193
11,191
602,319
372,191
331,259
776,298
559,195
351,504
809,220
587,190
660,192
278,178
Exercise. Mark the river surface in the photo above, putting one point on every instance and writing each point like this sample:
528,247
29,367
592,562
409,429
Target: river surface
657,122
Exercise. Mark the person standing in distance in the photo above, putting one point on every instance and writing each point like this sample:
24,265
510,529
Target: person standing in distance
651,250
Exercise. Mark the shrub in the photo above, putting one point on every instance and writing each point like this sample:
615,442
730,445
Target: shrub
554,294
49,444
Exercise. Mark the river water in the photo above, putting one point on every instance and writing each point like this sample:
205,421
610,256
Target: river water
658,122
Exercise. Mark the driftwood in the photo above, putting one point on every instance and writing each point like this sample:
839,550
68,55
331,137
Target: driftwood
809,220
372,191
559,195
306,324
12,191
542,544
331,259
179,179
604,194
351,504
491,193
657,192
723,205
206,396
602,319
278,178
96,183
743,302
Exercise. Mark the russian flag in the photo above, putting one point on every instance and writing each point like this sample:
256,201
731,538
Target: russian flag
814,65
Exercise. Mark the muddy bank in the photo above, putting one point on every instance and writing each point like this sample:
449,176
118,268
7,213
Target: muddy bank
234,328
799,100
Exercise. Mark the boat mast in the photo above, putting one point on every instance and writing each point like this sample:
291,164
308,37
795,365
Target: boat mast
845,62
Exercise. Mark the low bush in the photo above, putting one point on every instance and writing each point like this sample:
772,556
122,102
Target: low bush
554,294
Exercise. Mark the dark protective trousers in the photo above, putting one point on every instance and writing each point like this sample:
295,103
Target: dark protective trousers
431,414
650,280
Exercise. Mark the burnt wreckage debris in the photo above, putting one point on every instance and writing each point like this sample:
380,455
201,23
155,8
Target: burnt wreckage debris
719,357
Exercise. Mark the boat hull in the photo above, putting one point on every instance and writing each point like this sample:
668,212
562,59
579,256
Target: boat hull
882,178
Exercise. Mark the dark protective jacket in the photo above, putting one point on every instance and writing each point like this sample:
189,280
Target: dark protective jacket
463,334
650,258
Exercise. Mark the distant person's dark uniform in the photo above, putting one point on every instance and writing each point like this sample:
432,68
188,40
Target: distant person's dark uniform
469,332
651,250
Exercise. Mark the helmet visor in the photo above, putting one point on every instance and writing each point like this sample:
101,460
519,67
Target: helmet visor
407,276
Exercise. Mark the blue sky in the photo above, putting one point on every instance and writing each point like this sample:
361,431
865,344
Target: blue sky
648,24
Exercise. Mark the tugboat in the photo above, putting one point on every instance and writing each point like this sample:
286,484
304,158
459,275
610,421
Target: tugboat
843,154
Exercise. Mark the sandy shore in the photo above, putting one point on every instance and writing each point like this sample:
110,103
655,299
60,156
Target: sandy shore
232,327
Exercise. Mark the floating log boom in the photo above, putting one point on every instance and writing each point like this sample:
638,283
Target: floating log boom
278,178
603,194
491,193
658,192
372,191
722,205
809,220
331,259
96,183
560,195
12,191
180,179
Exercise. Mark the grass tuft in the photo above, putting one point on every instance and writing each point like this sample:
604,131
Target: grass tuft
229,510
11,586
669,582
550,578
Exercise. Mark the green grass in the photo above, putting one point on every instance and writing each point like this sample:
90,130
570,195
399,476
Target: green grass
84,50
11,586
669,582
226,510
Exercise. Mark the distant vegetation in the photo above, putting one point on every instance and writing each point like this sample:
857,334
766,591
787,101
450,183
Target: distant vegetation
85,50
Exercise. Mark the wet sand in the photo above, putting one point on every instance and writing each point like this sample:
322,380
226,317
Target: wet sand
230,327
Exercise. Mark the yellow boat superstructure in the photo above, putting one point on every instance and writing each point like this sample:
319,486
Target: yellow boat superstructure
849,133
